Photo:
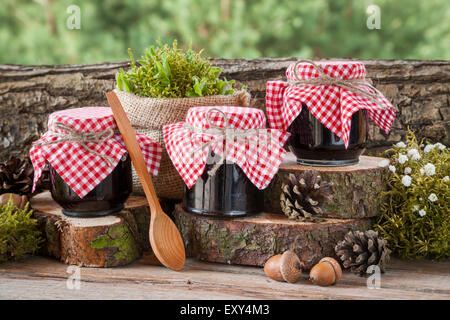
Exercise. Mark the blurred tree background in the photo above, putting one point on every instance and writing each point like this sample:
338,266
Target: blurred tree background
35,31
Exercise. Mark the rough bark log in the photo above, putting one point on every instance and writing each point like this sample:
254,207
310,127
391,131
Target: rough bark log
254,239
418,89
108,241
356,189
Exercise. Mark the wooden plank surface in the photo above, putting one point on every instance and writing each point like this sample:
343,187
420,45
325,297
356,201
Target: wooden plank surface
44,278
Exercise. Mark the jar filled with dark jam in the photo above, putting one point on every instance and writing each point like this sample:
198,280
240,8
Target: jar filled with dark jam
107,197
227,193
313,144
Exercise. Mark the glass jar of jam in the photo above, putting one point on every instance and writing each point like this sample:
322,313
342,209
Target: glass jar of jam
321,98
227,193
107,197
314,144
90,169
226,156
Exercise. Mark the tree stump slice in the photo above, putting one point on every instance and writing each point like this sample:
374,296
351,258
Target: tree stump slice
356,188
109,241
253,239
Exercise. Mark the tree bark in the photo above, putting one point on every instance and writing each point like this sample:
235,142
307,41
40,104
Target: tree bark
108,241
254,239
356,189
418,89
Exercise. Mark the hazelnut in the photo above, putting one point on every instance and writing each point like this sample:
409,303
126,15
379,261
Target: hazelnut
18,200
284,267
327,272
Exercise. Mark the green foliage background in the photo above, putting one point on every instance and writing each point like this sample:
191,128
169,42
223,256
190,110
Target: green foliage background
35,32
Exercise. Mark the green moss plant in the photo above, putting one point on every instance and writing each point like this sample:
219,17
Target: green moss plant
19,234
169,72
415,214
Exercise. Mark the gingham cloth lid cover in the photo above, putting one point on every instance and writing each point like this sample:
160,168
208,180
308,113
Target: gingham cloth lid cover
332,105
260,162
79,168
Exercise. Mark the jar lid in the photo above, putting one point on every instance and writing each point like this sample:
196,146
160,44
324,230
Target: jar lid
86,119
236,117
84,147
340,69
235,134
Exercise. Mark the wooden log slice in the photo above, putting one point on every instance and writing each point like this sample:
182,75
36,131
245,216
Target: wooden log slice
356,188
254,239
108,241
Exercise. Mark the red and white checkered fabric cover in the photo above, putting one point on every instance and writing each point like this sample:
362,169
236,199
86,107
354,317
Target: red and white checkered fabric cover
79,168
333,106
259,162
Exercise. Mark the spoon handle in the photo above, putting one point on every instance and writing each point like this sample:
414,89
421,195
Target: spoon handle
135,151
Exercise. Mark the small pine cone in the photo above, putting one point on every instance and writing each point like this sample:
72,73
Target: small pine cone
16,176
359,250
303,197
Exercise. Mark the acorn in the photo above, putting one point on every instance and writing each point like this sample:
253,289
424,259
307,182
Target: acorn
284,267
18,200
327,272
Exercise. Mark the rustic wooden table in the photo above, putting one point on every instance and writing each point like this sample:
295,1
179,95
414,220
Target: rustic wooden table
46,278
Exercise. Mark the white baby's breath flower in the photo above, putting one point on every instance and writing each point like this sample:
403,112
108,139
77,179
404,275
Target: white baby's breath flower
406,180
440,146
432,197
428,148
392,168
422,171
429,169
383,163
402,158
400,144
412,152
408,170
422,212
415,208
416,156
446,178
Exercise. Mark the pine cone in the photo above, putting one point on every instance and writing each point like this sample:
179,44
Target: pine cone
16,176
304,197
359,250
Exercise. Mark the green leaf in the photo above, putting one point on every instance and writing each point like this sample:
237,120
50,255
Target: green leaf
215,72
197,89
119,81
219,86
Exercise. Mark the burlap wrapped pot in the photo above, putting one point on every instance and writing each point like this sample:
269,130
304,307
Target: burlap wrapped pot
149,115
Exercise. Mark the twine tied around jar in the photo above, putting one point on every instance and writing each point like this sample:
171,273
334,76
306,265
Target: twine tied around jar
81,137
348,84
226,133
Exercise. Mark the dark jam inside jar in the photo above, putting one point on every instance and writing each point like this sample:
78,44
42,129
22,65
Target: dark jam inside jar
313,144
107,197
228,193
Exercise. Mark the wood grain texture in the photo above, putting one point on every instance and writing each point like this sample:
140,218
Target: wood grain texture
107,241
356,189
43,278
165,238
418,89
252,240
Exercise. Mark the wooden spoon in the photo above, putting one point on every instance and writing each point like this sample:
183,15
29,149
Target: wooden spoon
165,238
